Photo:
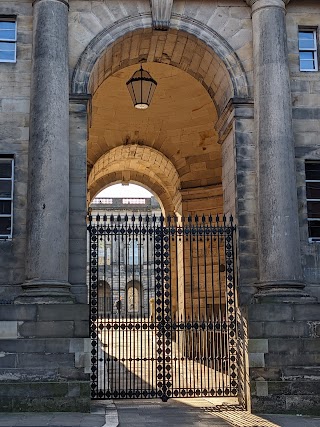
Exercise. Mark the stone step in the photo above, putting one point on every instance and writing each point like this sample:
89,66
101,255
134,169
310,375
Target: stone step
42,345
35,360
62,373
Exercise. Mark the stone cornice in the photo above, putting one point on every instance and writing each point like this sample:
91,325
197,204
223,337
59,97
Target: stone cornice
161,14
237,108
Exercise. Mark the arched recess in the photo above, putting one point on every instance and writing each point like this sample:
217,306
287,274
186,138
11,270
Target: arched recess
140,164
104,298
191,46
134,298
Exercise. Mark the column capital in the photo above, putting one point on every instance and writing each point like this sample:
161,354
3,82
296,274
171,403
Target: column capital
266,3
65,2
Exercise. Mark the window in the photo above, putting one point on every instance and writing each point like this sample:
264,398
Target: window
8,39
134,253
308,50
6,196
313,199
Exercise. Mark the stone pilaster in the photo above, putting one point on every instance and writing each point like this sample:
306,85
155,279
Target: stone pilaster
48,184
277,210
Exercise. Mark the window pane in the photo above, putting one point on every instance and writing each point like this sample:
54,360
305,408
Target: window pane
7,56
314,229
7,34
306,44
313,209
313,190
5,207
5,168
307,65
7,47
7,25
5,226
307,55
5,189
313,170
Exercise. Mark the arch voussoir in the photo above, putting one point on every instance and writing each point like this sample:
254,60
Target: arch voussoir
188,45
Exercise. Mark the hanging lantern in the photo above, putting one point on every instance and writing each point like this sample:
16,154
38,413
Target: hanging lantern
141,87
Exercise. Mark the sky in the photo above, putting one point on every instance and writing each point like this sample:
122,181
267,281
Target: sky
119,190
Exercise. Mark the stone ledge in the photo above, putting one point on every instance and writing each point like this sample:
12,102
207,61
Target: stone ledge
40,404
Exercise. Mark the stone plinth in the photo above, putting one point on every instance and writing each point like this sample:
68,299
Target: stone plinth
45,363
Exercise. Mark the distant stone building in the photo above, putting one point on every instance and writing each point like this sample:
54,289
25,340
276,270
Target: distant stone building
233,127
125,272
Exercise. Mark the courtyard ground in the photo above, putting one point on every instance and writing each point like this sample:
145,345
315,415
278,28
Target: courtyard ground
154,413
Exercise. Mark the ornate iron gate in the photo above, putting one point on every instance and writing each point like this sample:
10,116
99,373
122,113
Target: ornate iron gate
162,303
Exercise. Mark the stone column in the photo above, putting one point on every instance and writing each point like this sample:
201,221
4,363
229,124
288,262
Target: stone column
48,184
277,210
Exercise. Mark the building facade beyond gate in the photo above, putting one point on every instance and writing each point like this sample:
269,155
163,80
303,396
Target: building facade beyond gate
232,132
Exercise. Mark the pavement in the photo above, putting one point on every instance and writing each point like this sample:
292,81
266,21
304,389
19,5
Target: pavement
154,413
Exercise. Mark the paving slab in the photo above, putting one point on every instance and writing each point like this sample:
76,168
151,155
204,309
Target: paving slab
293,420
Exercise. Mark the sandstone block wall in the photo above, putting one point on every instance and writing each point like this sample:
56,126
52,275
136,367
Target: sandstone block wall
45,362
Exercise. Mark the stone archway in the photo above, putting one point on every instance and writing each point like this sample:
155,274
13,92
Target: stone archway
193,47
217,71
143,164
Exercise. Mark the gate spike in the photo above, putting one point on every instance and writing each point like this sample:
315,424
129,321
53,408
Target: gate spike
119,218
126,218
105,218
203,218
98,218
133,218
111,218
189,218
210,218
217,218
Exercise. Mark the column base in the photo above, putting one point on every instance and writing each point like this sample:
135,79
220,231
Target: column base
282,291
45,292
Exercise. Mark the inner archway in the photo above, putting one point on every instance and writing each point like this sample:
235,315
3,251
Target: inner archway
172,147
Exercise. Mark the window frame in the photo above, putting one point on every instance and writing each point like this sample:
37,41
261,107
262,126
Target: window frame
11,158
4,18
314,31
312,239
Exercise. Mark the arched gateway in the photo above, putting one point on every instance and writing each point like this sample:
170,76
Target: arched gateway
181,320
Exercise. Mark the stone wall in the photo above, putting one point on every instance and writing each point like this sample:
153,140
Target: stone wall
305,89
45,362
14,136
284,357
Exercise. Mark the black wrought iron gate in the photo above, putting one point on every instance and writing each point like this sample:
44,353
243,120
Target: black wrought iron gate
162,301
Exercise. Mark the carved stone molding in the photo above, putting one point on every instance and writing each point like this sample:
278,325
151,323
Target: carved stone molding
161,14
